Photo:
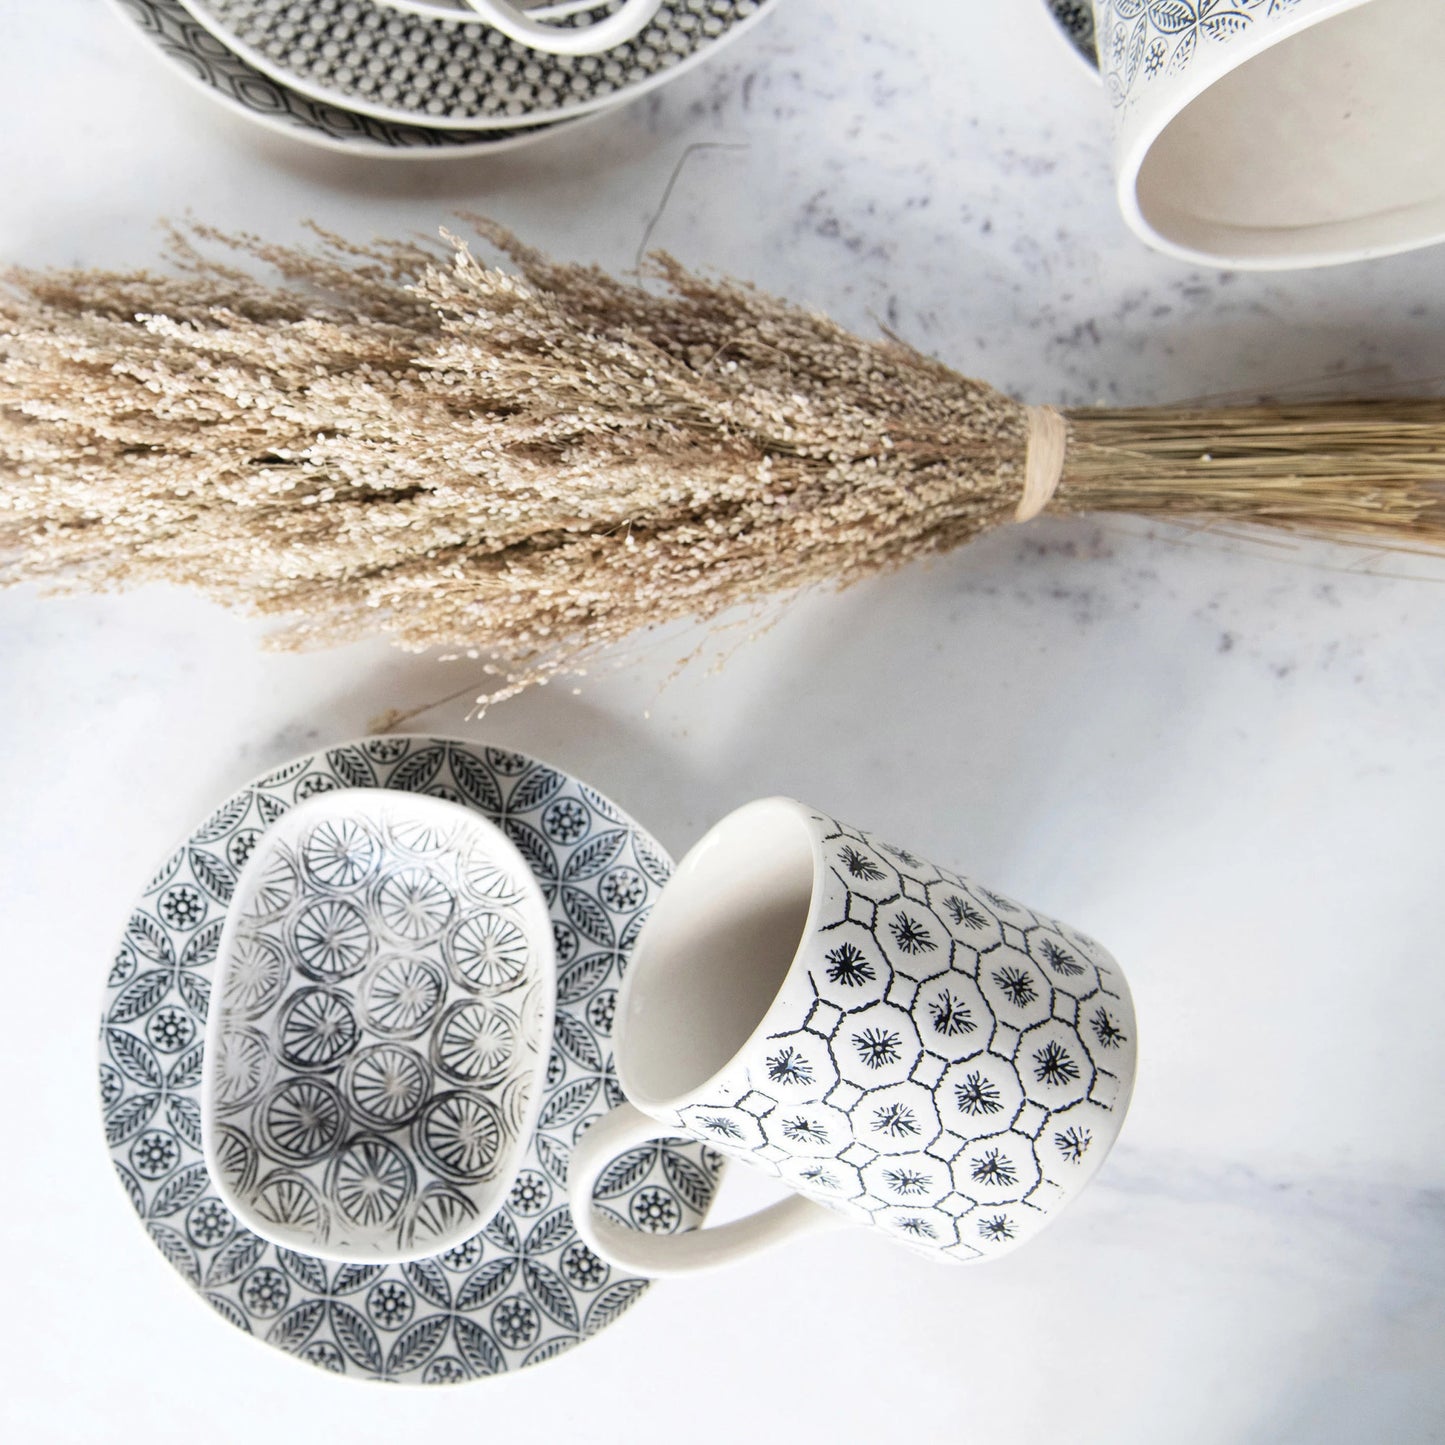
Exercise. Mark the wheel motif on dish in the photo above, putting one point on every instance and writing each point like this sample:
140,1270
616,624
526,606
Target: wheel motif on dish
489,951
317,1029
401,995
475,1043
370,1182
387,1084
301,1120
331,940
460,1135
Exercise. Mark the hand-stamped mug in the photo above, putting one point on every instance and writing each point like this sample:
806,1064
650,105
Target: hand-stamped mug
889,1039
538,25
1277,133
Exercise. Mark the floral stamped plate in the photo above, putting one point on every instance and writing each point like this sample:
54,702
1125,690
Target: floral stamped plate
524,1289
199,58
366,57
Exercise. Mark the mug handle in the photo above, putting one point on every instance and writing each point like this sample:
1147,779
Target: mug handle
657,1255
622,24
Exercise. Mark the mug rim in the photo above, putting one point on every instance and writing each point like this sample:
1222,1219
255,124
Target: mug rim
650,1102
1140,123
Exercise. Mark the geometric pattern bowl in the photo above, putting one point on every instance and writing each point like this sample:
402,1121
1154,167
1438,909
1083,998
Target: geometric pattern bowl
377,1039
525,1288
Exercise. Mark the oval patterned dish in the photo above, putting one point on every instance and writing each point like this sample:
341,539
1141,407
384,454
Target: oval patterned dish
374,1055
525,1289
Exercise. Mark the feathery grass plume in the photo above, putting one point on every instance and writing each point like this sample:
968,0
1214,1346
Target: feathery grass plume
530,465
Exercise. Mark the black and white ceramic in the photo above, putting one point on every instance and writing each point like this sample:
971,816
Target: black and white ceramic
198,57
1277,133
365,57
889,1039
379,1028
524,1289
1075,19
563,29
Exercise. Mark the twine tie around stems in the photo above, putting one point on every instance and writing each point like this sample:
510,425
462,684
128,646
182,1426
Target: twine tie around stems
1043,461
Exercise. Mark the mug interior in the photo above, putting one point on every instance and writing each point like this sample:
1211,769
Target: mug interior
1327,146
714,953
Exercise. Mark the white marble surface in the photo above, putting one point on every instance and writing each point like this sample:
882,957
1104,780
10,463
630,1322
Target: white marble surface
1223,758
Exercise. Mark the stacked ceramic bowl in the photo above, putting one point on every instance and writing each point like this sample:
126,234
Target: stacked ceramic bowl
415,78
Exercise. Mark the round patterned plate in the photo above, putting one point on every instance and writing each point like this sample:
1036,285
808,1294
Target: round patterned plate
524,1289
203,61
366,57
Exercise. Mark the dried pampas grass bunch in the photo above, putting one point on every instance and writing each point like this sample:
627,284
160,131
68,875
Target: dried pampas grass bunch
527,466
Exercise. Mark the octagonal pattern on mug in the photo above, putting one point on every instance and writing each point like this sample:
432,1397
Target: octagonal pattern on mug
954,1017
724,1126
876,1045
912,940
925,1228
1104,1026
967,917
1069,1145
897,1119
1054,1065
1015,987
814,1131
798,1067
979,1096
853,970
914,1179
862,868
997,1169
1065,966
829,1179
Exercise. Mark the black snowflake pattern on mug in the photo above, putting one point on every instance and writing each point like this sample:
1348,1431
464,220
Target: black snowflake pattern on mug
895,1120
719,1125
859,865
788,1066
1053,1064
1106,1028
818,1176
993,1168
917,1226
977,1095
1073,1142
950,1016
964,913
996,1227
848,966
1017,986
911,936
1060,959
878,1047
804,1130
906,1182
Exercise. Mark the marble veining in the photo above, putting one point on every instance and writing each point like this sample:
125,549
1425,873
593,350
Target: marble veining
1221,754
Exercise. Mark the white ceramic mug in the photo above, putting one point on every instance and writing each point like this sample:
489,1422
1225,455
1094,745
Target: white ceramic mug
1277,133
537,25
889,1039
